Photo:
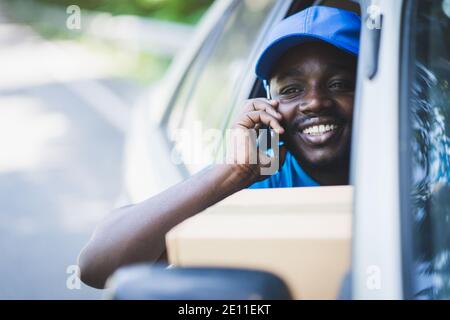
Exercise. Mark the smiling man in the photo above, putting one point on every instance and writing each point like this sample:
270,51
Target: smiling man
310,63
309,66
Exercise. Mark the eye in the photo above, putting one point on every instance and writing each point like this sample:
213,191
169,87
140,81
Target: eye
341,85
291,91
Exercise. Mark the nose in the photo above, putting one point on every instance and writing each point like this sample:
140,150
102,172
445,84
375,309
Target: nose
315,102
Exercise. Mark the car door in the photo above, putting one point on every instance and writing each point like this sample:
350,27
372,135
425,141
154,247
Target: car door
401,158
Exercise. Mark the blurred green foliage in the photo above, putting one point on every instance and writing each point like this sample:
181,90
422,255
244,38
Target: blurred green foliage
187,11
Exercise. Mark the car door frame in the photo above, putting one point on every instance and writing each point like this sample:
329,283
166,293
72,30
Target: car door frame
406,76
376,252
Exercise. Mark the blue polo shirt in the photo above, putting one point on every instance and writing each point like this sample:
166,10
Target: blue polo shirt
290,175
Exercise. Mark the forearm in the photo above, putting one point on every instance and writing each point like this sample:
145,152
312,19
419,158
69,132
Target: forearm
137,233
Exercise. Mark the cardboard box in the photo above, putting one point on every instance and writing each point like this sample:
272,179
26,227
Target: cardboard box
300,234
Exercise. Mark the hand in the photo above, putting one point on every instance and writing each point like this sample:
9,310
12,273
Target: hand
242,147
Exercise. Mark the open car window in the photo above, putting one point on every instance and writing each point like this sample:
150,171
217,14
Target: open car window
206,95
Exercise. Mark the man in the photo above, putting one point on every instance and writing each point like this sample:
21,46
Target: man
309,66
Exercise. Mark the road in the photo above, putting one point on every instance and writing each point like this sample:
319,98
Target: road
63,122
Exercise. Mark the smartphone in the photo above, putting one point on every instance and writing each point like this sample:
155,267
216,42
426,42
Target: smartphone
269,151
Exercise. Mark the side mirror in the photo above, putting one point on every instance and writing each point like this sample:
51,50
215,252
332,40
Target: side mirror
156,282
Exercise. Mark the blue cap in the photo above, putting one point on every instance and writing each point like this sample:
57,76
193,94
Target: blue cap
335,26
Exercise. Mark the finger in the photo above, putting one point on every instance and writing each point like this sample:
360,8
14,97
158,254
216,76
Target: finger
265,118
263,99
263,105
251,104
274,103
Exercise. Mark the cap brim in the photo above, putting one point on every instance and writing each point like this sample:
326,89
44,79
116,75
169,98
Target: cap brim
275,50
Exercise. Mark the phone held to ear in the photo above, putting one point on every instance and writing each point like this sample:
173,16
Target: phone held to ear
268,145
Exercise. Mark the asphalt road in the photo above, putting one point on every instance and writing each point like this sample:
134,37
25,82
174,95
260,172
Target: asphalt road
60,162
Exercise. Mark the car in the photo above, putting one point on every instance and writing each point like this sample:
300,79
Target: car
400,144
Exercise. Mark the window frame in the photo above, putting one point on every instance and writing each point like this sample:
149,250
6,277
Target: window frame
406,72
374,160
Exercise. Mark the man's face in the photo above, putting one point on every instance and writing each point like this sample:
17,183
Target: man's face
314,84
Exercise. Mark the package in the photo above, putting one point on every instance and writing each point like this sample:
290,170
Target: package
301,235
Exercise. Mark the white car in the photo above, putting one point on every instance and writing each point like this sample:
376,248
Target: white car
400,165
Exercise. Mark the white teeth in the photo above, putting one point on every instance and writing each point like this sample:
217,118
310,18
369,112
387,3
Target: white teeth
320,129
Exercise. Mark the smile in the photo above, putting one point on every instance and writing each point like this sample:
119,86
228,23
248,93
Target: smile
317,130
321,133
